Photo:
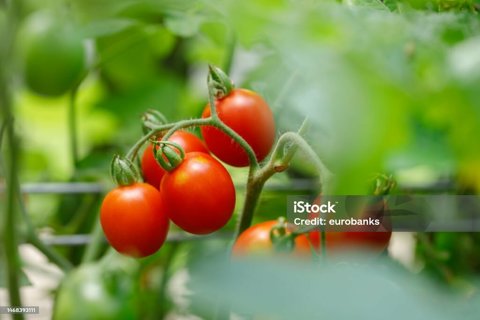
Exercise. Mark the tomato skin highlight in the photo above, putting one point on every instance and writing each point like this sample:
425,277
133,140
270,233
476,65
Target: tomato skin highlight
199,194
248,115
134,219
256,240
153,172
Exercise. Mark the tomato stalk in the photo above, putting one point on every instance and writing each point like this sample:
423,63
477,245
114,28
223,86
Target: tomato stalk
72,126
10,240
95,244
170,128
31,235
151,119
279,160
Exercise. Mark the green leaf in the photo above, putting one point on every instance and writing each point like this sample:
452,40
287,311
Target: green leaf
106,27
184,24
347,288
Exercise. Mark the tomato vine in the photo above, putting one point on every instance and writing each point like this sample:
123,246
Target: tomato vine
219,86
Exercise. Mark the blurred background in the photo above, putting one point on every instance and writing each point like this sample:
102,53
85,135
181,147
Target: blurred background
388,86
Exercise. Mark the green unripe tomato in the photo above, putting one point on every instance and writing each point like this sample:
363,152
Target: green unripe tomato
53,55
93,292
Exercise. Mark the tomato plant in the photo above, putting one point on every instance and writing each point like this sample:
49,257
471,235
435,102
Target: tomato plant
199,194
134,219
54,56
248,115
152,171
257,240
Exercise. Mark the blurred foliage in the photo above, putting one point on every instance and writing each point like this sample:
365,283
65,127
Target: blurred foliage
451,258
104,290
354,287
383,84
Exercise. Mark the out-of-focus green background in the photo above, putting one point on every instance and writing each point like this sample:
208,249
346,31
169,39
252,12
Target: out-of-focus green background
387,86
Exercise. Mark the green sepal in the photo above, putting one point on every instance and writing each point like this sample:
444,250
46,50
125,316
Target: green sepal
168,155
282,240
218,80
123,171
151,119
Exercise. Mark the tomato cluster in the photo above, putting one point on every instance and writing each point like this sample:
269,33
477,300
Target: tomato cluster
197,193
185,184
256,239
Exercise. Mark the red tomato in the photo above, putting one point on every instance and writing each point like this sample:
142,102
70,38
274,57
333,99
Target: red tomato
134,219
353,240
199,194
360,237
256,240
248,115
152,171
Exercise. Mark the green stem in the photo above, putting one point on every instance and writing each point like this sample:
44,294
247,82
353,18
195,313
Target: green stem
226,129
10,226
10,223
2,131
95,244
132,153
32,237
34,240
298,142
186,124
278,161
166,270
253,191
72,126
323,237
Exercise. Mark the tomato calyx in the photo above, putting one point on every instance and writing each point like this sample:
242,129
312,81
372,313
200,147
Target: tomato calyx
219,82
282,240
123,171
168,154
151,119
383,184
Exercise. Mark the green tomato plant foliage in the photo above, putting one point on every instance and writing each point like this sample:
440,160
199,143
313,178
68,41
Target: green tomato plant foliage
387,86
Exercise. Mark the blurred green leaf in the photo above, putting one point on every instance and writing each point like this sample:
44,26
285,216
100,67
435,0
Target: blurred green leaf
340,290
105,27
